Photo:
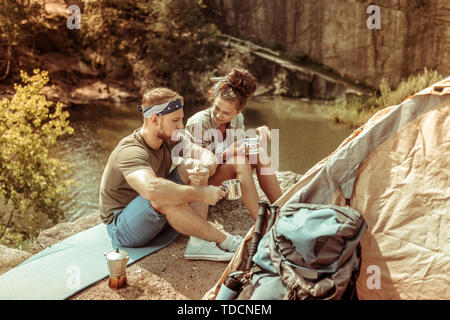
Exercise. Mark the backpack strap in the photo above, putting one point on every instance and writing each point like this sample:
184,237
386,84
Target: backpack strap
347,188
355,274
351,293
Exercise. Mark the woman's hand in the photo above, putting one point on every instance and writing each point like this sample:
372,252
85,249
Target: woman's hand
264,133
264,136
236,149
198,176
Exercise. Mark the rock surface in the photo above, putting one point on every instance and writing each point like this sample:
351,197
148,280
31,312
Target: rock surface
165,274
413,34
64,230
9,258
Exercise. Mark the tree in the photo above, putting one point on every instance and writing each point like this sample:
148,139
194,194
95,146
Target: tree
172,37
32,184
17,19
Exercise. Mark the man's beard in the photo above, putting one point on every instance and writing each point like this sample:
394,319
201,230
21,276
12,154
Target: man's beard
161,135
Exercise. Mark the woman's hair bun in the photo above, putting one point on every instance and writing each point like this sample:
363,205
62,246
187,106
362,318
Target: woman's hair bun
243,81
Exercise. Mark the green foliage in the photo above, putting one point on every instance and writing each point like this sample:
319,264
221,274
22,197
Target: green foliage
15,18
18,20
356,110
32,183
172,36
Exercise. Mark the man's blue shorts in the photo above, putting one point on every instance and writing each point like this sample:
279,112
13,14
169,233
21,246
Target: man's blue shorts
138,223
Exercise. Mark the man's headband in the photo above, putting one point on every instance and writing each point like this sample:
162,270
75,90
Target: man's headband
161,109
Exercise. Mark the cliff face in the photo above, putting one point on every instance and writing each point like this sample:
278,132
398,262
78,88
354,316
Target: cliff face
414,33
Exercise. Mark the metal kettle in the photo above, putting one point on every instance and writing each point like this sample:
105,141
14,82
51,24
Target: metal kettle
117,262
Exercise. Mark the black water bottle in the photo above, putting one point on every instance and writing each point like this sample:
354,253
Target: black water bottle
229,289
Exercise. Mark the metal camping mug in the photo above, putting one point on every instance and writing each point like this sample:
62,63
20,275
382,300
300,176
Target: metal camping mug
252,145
232,188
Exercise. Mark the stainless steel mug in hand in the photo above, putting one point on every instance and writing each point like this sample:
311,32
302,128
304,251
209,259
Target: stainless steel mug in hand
232,188
252,145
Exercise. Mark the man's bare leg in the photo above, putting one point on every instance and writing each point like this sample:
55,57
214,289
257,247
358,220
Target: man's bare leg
237,168
196,245
185,220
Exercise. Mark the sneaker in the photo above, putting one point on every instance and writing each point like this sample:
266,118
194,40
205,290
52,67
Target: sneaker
231,243
206,251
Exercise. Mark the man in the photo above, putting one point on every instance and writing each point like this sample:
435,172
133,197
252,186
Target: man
139,197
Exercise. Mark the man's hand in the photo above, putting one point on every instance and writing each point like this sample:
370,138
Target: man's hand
212,195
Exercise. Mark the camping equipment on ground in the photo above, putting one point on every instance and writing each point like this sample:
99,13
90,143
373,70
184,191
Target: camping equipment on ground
117,266
231,287
310,252
234,281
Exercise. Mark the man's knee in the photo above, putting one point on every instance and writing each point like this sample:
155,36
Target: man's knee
166,209
158,207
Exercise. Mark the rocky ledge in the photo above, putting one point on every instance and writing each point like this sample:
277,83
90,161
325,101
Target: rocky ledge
164,274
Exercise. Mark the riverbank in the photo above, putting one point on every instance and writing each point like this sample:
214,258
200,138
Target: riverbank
355,110
163,275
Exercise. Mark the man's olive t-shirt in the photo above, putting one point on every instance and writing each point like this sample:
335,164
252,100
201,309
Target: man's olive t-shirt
131,154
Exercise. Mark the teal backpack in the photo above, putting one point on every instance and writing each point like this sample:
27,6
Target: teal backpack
312,251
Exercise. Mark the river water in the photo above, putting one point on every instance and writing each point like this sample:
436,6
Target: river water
305,137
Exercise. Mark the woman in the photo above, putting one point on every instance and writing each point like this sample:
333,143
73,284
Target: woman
212,129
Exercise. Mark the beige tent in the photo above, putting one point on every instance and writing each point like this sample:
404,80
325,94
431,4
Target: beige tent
396,168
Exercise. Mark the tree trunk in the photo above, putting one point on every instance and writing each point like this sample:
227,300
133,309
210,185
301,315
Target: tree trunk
7,224
8,61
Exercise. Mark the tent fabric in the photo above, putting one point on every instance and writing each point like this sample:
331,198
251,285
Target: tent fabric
395,169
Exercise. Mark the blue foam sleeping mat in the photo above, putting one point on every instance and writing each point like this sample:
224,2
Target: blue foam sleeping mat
69,266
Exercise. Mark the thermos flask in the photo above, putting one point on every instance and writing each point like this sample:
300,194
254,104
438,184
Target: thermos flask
229,289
